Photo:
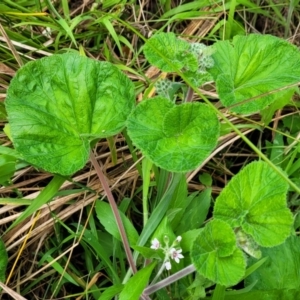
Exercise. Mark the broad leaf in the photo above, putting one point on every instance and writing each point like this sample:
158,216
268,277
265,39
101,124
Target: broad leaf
7,168
282,264
136,284
216,255
3,261
57,105
169,54
251,66
106,218
196,212
177,138
255,200
110,292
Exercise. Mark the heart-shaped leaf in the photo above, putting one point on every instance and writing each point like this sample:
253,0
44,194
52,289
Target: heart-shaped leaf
216,255
57,105
252,67
255,200
175,137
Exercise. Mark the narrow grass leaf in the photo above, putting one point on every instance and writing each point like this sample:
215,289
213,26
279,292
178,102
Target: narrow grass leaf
3,261
93,242
59,269
159,211
107,23
44,197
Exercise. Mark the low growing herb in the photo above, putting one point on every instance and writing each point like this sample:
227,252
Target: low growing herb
59,106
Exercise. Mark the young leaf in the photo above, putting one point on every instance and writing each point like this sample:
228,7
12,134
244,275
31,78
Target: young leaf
255,200
57,105
3,261
175,137
216,255
251,66
136,284
169,54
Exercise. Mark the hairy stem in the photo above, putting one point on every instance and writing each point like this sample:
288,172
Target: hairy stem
115,211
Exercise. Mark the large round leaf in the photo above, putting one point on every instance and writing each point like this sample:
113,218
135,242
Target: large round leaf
216,256
255,200
175,137
57,105
251,67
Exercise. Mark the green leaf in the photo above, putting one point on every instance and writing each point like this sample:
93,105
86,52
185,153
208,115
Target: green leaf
251,66
136,284
7,168
57,105
148,253
3,261
177,138
44,197
179,202
196,212
216,255
169,54
188,238
106,218
283,262
266,295
255,200
111,291
206,179
280,102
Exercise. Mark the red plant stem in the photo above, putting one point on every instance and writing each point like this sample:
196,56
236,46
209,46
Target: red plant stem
115,211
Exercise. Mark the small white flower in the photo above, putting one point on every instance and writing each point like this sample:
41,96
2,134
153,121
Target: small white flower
176,254
155,244
168,265
178,239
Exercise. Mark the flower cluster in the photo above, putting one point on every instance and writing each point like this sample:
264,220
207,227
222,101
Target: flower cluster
169,251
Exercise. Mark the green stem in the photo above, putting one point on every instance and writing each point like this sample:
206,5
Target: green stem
146,166
115,211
